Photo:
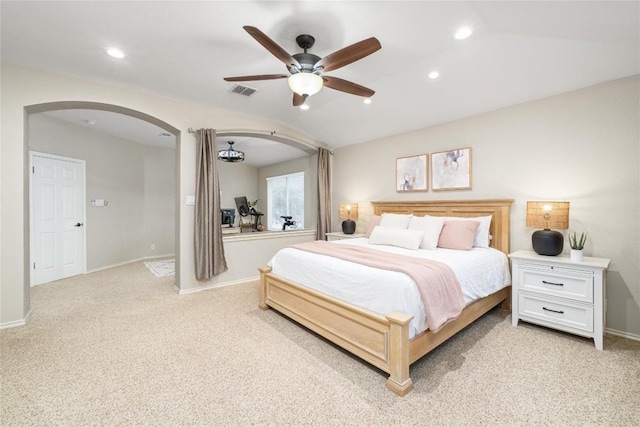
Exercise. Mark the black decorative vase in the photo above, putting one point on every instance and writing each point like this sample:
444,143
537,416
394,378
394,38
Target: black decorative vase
547,242
348,226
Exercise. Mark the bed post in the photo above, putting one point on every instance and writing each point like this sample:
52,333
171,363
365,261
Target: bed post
263,287
399,381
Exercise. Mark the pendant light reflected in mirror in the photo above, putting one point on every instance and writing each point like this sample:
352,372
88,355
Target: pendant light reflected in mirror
230,155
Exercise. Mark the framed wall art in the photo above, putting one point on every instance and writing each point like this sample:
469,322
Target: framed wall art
451,170
411,173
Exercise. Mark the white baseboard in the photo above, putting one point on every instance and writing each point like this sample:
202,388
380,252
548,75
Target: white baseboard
17,323
218,285
129,262
622,334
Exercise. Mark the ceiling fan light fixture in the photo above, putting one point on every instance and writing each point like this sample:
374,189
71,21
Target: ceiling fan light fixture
305,84
230,155
305,68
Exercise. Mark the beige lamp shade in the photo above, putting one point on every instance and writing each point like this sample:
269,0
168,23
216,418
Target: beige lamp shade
548,215
349,210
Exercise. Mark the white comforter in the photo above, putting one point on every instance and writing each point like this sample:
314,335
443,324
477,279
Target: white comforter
481,272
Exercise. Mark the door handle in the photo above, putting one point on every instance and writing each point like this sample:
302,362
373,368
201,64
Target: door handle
79,224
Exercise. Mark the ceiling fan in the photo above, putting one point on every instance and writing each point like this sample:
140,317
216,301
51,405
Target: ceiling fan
305,69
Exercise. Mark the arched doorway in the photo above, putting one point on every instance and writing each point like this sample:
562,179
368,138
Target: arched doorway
130,114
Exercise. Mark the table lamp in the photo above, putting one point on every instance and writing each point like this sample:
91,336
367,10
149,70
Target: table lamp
348,211
548,215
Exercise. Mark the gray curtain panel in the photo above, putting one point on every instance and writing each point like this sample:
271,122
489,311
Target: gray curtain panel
324,193
210,259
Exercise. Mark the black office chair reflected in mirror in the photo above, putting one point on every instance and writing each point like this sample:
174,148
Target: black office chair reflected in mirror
255,222
287,222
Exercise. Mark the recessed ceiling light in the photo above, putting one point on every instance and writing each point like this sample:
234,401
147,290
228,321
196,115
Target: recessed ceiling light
115,52
304,107
433,75
367,101
463,33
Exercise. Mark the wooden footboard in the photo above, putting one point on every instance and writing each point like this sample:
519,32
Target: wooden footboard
383,341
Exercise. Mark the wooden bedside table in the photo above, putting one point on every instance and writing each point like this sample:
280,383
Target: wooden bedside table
558,293
339,235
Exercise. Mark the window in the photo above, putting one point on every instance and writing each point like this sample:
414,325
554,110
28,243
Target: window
285,197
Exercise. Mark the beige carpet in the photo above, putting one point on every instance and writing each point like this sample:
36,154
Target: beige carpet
121,348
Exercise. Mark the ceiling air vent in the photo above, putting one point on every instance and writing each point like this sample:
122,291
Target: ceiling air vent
243,90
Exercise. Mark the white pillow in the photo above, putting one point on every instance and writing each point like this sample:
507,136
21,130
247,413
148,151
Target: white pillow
390,220
482,235
408,239
431,227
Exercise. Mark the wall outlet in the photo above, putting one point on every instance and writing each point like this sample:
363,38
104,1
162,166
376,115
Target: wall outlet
153,247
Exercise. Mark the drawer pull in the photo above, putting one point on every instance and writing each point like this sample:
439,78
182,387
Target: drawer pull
553,311
551,283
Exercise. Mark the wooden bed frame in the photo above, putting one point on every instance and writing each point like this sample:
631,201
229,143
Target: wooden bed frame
383,341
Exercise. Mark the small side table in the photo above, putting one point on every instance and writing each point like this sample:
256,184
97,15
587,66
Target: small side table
339,235
559,293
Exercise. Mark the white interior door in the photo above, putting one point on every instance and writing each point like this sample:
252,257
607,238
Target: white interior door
57,218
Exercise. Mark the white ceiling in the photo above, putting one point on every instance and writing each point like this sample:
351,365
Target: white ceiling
519,51
259,152
118,125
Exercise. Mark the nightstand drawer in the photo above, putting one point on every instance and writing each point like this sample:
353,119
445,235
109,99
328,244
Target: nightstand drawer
576,316
562,282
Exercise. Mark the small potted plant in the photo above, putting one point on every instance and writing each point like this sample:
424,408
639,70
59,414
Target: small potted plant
577,245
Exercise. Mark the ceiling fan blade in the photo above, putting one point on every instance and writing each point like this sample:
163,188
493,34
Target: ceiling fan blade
347,86
271,46
298,100
349,54
258,77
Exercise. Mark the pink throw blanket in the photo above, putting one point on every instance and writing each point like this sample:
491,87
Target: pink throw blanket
438,286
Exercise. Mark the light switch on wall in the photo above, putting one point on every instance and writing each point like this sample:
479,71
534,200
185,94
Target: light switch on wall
191,200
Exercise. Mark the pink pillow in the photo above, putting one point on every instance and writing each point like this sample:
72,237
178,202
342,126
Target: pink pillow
373,222
458,235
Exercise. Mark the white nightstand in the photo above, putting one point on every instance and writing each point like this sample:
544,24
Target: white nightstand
559,293
339,235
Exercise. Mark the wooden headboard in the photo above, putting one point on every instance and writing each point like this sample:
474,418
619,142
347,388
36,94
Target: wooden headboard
498,208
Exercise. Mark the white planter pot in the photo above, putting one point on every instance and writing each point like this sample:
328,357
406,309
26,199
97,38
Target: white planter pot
576,255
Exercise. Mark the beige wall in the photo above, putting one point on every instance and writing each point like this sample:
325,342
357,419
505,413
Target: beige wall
580,146
159,199
23,87
138,182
